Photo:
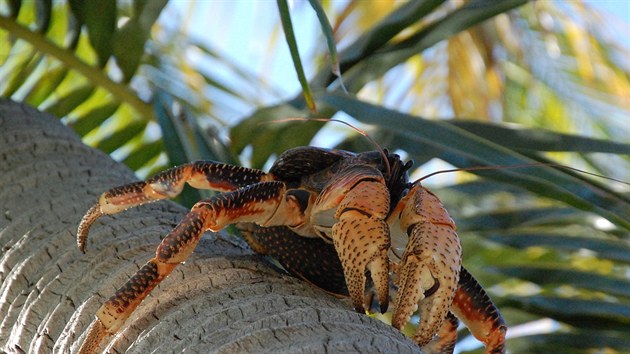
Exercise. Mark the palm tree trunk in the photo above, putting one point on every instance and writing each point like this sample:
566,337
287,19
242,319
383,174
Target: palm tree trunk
224,299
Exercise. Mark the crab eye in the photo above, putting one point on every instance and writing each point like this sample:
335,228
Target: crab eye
301,196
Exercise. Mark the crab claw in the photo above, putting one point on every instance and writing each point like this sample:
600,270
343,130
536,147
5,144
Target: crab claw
428,272
360,201
362,244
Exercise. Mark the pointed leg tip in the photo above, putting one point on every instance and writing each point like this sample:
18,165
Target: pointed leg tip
84,226
81,244
359,309
95,335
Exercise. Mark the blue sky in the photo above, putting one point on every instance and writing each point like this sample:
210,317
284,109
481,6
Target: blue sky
616,11
615,8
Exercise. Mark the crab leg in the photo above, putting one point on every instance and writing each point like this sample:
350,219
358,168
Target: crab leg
446,337
473,306
266,203
168,184
429,268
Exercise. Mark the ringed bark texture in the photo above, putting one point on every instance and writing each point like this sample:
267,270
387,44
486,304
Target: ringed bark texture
223,300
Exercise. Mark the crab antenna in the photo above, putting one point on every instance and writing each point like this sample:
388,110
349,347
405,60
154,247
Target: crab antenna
362,132
533,164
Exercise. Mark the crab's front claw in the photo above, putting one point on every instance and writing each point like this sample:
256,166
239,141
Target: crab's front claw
360,234
362,244
428,272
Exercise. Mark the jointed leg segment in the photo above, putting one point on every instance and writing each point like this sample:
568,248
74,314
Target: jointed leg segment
446,337
473,306
168,184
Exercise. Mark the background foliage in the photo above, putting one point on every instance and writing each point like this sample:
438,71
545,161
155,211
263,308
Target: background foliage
445,83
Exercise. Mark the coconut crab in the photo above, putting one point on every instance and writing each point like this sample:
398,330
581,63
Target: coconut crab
339,216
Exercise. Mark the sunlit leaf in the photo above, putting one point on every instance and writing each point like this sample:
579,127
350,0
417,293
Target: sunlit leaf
100,19
46,85
210,146
94,118
329,35
175,142
44,12
143,153
578,312
481,188
549,275
381,33
285,17
472,13
507,219
129,40
215,82
21,70
271,137
239,73
175,147
14,8
120,137
78,9
583,342
617,250
540,140
72,100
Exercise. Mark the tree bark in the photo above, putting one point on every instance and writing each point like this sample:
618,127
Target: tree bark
224,299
